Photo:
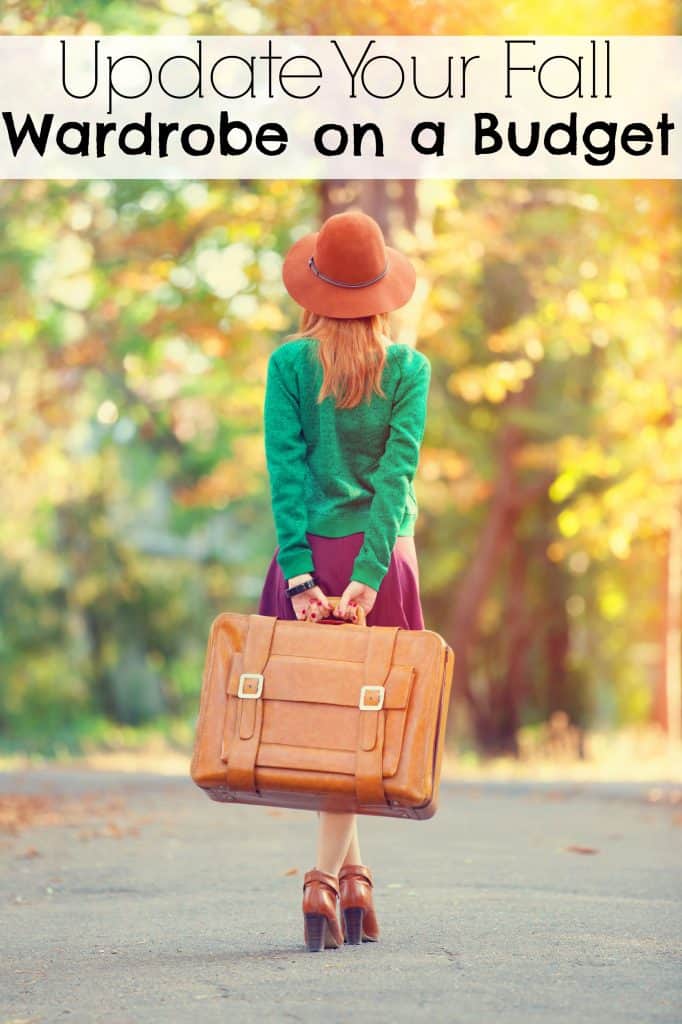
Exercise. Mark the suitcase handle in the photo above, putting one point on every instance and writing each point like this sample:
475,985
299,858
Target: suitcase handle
362,621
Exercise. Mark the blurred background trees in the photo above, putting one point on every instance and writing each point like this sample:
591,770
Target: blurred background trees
136,319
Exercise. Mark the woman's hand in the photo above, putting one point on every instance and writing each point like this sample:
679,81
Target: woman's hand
355,594
312,605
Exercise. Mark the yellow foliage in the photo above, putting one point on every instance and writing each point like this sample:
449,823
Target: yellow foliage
568,522
564,485
612,603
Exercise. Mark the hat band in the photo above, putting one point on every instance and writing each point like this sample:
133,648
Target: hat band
344,284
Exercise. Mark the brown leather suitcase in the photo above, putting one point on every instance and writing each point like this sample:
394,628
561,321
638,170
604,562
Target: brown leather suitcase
338,717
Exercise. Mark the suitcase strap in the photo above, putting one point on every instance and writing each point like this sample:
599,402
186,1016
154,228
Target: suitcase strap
241,769
369,782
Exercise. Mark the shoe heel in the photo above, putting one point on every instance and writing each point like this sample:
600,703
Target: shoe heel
353,920
315,928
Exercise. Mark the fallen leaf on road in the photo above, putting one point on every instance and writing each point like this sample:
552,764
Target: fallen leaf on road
19,811
580,849
29,853
662,796
291,871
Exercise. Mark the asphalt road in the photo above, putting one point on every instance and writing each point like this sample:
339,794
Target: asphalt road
137,899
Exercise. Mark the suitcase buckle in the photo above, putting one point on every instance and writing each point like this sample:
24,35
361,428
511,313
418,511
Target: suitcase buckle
242,679
364,706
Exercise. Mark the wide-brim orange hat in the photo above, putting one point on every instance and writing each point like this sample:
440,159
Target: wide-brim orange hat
346,269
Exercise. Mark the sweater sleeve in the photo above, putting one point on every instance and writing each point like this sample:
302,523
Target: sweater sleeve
285,452
394,474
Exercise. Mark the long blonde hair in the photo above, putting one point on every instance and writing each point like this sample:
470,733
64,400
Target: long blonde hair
352,353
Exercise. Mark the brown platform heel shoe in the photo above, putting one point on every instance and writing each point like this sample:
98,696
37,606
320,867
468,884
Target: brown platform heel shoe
357,907
321,929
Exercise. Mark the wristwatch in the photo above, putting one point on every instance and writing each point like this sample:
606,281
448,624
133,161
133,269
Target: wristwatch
300,587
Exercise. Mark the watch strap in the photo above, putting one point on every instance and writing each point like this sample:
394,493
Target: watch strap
299,588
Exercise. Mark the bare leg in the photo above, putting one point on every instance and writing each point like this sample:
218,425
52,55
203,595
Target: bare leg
335,840
353,852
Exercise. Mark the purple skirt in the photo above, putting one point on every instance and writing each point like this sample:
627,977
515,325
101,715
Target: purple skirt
398,602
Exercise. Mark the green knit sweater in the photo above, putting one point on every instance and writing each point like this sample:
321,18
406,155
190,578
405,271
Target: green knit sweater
333,471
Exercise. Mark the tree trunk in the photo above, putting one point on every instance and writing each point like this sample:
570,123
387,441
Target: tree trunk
519,626
475,583
507,503
391,203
